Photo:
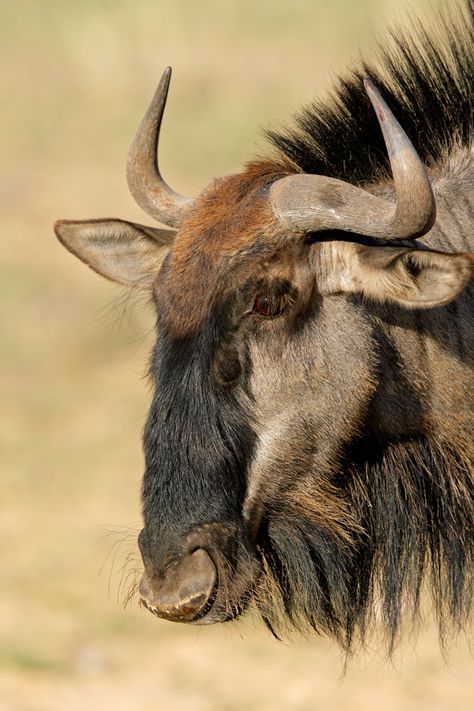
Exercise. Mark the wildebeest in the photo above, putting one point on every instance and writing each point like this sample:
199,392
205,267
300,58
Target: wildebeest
309,443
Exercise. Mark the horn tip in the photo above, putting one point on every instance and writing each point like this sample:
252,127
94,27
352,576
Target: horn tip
368,84
375,98
164,82
371,90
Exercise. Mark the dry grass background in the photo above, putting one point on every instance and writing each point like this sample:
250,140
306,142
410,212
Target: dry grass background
76,78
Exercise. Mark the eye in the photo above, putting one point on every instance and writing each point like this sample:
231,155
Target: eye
269,305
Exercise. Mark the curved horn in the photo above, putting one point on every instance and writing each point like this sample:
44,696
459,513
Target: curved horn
143,173
312,203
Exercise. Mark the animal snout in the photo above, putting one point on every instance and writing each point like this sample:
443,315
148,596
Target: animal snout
184,591
203,577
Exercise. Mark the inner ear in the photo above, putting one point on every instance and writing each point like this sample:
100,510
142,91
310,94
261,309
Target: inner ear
122,251
416,278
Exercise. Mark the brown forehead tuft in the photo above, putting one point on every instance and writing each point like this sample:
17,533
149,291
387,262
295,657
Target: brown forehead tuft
230,216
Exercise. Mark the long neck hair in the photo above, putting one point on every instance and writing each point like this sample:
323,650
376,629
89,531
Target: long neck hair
406,518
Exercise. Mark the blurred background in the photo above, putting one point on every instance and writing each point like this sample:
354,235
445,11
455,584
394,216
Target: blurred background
76,78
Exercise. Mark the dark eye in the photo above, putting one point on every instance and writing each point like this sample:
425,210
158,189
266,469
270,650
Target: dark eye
269,306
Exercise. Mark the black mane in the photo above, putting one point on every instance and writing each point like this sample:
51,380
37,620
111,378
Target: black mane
426,77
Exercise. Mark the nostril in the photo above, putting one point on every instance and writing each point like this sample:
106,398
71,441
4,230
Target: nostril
185,590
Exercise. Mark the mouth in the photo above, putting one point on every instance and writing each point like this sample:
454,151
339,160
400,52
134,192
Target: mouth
204,585
199,619
206,616
217,609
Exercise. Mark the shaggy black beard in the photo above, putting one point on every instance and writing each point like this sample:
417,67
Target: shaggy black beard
411,522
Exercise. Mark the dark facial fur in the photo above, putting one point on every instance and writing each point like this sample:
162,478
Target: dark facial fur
311,424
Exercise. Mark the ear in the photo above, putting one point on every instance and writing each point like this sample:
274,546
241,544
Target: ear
123,251
414,278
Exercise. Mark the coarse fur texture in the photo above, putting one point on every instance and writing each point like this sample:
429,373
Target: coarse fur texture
311,426
410,503
403,516
402,509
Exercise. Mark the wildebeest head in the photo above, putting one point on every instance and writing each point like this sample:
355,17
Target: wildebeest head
264,368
